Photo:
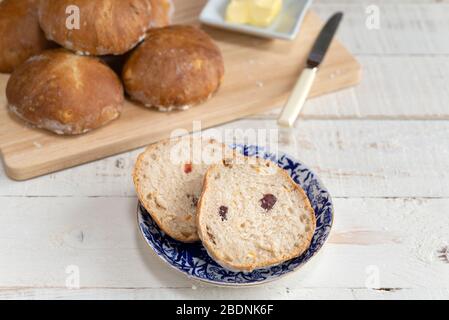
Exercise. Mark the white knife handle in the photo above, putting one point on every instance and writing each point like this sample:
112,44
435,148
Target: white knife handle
298,97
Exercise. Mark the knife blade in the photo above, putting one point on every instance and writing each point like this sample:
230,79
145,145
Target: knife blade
302,88
324,40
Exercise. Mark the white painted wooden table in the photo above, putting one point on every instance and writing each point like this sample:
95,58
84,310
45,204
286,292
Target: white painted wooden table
381,148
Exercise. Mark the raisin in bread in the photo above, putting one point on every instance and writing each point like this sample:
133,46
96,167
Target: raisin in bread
168,178
253,215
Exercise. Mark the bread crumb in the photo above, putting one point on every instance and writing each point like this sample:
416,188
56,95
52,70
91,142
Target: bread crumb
37,145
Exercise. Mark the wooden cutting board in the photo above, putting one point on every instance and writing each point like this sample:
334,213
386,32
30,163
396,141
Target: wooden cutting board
260,73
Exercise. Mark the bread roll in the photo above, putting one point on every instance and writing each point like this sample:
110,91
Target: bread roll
106,26
161,14
65,93
176,67
252,215
20,34
168,178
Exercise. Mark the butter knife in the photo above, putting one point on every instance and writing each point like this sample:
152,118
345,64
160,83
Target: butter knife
302,88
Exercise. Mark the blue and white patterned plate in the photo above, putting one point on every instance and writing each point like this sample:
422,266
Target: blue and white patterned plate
193,260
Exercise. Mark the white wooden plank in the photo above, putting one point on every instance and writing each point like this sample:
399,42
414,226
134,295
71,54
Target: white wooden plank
401,87
41,237
406,78
402,239
406,27
107,177
261,293
370,158
353,158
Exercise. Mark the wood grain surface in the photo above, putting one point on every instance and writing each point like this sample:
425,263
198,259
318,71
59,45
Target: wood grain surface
381,148
260,74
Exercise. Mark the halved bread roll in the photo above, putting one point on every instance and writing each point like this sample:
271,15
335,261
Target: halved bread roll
168,178
252,215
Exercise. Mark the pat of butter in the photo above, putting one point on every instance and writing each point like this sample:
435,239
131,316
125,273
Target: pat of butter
263,12
238,11
256,12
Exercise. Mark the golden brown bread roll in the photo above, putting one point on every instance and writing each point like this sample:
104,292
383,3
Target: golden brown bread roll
20,34
162,11
176,67
65,93
106,26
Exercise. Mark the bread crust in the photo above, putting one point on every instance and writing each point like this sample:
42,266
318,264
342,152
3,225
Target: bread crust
151,211
106,26
155,213
174,68
20,34
161,13
65,93
219,257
